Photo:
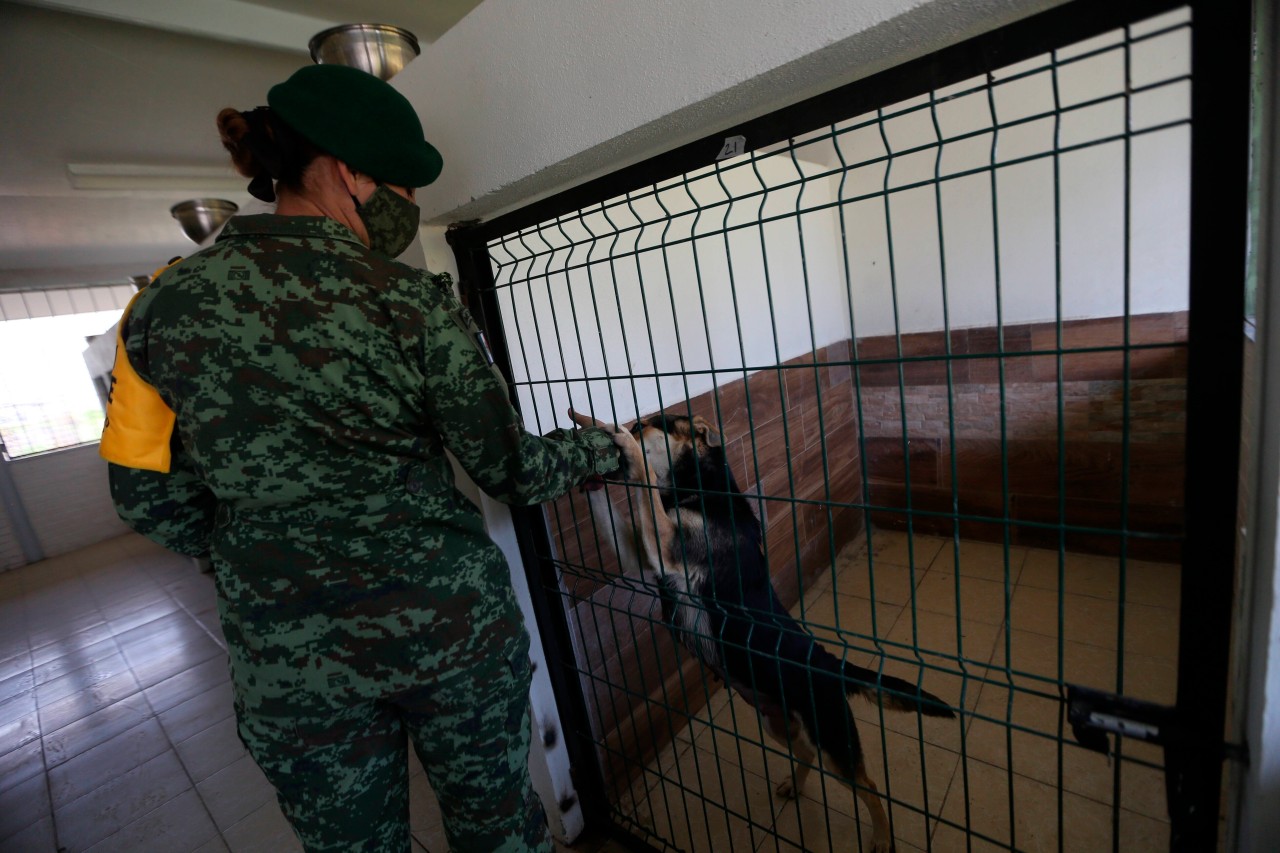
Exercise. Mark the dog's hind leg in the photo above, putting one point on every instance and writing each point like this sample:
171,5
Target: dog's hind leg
788,731
881,840
837,736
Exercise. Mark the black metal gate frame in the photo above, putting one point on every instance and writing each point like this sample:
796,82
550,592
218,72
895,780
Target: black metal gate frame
1193,730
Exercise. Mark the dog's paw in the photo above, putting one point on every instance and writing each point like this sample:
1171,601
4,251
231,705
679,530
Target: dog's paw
632,455
786,789
882,845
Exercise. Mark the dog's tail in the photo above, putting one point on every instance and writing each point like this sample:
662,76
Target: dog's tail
893,694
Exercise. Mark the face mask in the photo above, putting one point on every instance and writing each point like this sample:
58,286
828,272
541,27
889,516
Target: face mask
391,220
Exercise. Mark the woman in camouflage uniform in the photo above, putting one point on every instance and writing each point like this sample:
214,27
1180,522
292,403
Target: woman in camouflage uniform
315,385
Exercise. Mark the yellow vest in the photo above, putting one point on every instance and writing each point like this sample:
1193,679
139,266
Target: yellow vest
139,425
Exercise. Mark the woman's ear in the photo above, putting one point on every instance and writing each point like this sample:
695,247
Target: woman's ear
349,177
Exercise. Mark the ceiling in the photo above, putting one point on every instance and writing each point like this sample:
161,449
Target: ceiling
109,112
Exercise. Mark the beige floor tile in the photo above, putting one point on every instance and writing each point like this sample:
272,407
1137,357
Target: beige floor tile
105,762
36,838
21,730
126,798
895,546
1081,574
1027,735
15,664
1034,825
432,840
199,712
1158,584
912,799
17,707
739,740
22,805
1085,619
979,600
211,750
75,653
1154,679
424,810
1087,824
265,830
806,826
844,623
78,705
1145,582
985,560
1148,630
1142,791
235,792
937,669
1142,834
709,806
20,764
188,684
106,669
180,824
884,582
1151,632
97,728
1033,662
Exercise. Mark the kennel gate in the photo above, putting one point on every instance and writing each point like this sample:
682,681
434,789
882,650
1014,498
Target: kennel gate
782,278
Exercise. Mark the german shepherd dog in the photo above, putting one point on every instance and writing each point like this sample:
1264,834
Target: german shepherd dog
695,533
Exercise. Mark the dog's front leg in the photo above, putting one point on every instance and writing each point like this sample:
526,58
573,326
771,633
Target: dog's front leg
615,531
655,532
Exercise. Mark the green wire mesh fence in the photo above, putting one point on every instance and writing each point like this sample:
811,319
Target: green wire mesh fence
943,345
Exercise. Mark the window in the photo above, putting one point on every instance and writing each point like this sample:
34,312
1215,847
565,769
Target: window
48,398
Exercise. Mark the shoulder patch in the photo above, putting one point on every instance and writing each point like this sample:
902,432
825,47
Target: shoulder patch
238,274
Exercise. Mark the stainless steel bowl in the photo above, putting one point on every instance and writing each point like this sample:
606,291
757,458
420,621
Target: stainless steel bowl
201,218
380,49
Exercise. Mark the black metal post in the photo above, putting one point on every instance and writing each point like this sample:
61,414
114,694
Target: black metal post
476,283
1220,52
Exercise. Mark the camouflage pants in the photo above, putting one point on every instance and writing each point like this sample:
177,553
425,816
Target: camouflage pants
341,773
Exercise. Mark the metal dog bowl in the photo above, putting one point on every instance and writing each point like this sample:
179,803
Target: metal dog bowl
380,49
201,218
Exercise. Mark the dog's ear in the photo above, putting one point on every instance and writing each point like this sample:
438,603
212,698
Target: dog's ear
702,428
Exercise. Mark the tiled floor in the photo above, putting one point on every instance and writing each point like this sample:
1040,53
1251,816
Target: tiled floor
116,728
711,788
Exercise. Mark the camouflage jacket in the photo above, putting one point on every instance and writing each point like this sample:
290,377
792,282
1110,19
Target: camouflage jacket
316,388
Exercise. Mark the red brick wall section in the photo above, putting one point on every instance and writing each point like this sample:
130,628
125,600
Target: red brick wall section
951,439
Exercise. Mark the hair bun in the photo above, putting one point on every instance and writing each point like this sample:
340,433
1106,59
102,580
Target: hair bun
233,127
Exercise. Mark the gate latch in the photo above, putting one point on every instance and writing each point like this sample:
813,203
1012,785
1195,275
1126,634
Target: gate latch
1094,714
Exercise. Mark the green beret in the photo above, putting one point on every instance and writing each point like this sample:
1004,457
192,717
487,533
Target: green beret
361,120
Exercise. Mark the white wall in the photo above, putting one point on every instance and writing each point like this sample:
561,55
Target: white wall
526,97
1028,208
67,499
656,285
627,291
11,555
